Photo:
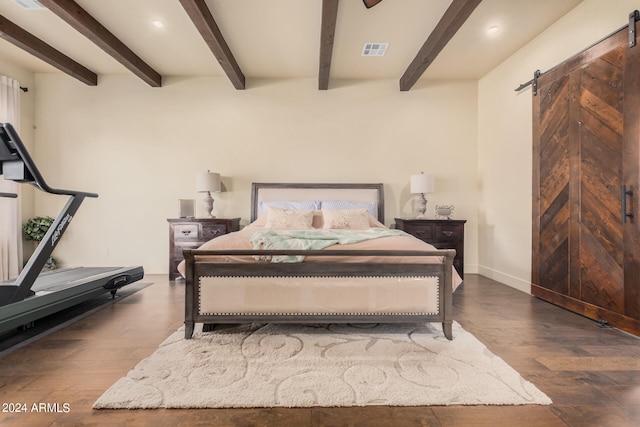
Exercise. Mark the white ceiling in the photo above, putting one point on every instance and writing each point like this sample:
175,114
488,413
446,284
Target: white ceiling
281,38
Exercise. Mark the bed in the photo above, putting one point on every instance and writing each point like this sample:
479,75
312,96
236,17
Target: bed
287,266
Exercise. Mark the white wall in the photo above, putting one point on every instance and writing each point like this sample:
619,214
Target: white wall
140,149
504,136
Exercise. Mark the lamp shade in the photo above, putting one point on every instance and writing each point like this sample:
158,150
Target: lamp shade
421,183
207,181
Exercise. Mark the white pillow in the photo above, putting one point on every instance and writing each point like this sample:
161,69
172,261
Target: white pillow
289,219
348,204
294,205
349,219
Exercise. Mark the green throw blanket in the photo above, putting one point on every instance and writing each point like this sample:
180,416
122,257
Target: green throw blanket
313,239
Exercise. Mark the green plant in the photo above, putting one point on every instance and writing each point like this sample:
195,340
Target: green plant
35,228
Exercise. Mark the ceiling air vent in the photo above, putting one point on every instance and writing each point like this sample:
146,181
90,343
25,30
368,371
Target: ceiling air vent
374,49
30,4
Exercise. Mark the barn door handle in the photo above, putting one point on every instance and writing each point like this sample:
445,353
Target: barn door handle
625,193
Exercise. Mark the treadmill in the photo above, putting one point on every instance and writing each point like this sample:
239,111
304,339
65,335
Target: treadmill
36,294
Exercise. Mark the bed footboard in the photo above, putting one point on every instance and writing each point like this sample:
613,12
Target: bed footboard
318,292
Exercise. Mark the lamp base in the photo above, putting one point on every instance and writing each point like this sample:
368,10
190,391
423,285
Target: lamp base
422,206
208,205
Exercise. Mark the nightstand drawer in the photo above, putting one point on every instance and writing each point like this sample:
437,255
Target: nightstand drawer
191,233
210,231
186,232
422,232
441,233
449,233
178,248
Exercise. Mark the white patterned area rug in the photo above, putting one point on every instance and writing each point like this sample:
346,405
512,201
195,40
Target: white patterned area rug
321,365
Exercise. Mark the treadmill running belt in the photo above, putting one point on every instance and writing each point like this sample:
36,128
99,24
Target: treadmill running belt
66,278
66,288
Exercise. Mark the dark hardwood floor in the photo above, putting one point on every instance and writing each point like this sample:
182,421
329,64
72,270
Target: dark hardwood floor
592,374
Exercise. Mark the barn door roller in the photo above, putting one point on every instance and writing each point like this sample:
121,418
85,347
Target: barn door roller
633,17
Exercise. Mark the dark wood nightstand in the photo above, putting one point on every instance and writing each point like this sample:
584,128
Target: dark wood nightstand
191,233
441,233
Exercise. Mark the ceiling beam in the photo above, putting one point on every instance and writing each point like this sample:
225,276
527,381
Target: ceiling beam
206,25
36,47
327,33
86,24
450,23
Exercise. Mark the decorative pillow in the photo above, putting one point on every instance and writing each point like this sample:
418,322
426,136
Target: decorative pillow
261,221
348,204
296,205
375,223
289,219
350,219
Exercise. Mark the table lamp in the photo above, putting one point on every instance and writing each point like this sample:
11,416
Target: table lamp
421,184
208,182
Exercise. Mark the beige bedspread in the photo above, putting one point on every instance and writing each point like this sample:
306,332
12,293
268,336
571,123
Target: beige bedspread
242,240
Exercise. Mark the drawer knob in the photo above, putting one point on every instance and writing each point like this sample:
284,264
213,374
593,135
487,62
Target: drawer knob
448,233
186,232
214,232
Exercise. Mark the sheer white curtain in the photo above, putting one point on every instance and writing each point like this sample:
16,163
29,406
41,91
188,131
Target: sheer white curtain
10,215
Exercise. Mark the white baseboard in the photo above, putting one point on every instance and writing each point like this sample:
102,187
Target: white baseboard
507,279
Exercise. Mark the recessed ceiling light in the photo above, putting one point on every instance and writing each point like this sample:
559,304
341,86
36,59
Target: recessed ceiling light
494,29
374,49
157,24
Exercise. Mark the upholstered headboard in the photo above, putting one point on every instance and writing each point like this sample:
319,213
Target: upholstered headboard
268,192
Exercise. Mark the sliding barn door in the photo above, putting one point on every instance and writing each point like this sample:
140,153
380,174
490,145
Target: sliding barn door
585,150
